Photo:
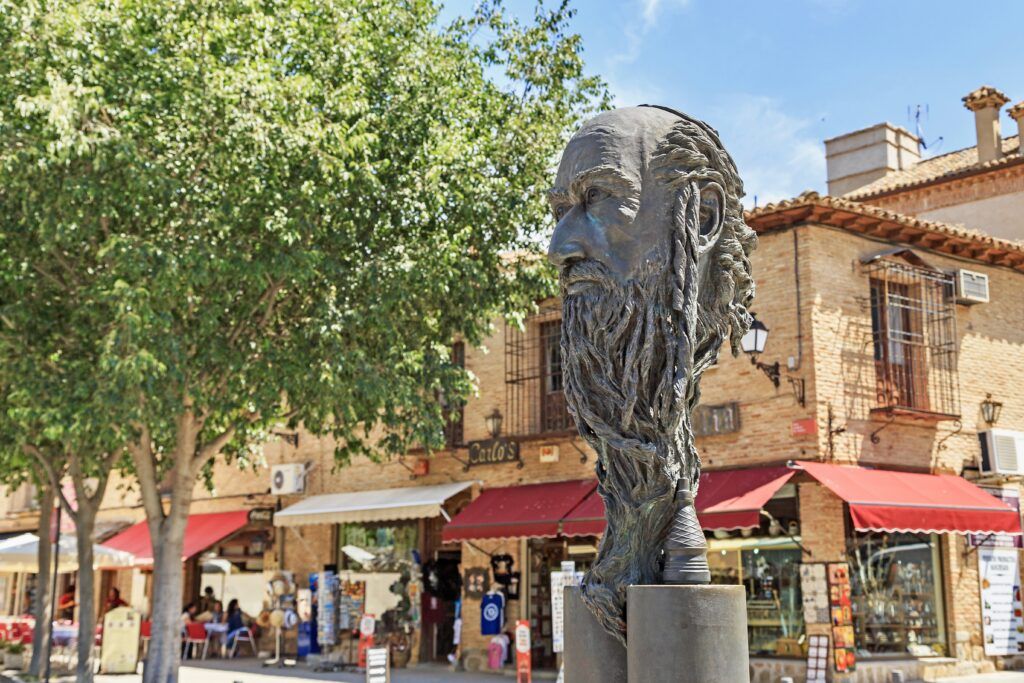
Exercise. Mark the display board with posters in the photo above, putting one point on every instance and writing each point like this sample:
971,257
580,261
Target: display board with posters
1001,617
559,581
119,651
844,645
814,589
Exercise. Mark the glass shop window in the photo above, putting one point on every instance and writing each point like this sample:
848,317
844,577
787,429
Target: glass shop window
771,576
376,546
897,594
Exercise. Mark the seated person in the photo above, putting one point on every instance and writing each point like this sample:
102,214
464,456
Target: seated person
114,600
189,614
237,621
66,604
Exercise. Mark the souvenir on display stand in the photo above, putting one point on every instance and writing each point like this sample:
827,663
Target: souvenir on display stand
283,616
840,606
327,608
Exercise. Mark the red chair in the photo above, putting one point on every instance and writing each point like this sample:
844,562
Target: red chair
195,635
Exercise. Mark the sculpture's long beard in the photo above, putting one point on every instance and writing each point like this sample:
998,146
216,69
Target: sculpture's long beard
627,366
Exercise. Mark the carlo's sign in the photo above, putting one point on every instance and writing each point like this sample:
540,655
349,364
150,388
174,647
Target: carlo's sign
493,452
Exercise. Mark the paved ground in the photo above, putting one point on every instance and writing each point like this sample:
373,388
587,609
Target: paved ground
250,671
1004,677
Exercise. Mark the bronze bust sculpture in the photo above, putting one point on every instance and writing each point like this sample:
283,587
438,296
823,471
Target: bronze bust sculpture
653,252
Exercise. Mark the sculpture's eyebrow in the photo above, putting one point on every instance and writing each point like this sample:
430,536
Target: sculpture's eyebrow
608,176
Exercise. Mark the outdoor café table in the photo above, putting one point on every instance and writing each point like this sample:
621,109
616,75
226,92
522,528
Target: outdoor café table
64,633
220,631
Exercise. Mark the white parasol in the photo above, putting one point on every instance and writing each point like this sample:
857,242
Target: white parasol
20,554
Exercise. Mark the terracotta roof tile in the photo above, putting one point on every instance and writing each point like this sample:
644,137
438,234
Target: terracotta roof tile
939,167
810,207
985,96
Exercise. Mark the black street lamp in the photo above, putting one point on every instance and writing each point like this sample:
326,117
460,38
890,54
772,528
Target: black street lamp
753,343
493,422
990,410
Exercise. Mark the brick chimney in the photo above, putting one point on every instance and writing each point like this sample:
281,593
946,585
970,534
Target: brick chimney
856,159
986,102
1017,114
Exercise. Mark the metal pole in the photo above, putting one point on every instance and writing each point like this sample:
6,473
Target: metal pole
53,592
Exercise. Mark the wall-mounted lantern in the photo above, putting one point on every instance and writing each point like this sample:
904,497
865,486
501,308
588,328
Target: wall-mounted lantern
493,422
990,410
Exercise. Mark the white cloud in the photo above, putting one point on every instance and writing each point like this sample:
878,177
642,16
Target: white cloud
778,155
652,8
637,28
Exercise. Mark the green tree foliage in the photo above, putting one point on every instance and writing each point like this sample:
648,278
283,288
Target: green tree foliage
218,216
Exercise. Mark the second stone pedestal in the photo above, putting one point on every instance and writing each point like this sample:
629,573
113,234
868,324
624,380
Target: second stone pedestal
686,634
592,655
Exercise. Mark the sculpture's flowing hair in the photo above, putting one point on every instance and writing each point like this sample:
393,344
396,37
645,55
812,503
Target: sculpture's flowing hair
632,362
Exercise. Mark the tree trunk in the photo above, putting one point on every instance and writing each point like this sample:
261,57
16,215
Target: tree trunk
168,536
84,525
41,601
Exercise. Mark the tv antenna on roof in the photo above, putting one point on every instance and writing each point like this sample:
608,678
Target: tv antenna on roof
935,144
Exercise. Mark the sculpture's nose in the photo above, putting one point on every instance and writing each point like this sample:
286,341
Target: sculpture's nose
568,244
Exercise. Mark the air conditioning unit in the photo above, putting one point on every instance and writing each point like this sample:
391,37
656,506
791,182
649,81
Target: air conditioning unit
286,479
971,287
1002,452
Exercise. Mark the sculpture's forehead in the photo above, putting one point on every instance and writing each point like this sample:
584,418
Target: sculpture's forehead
623,138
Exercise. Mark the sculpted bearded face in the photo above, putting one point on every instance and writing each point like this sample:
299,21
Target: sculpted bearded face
653,258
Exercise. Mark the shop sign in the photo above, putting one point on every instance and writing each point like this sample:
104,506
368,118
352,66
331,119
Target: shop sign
523,651
1011,497
1001,617
493,452
549,454
378,666
119,652
261,515
804,427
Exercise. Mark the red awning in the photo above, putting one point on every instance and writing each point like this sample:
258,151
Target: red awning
534,510
201,532
732,499
587,518
726,499
883,500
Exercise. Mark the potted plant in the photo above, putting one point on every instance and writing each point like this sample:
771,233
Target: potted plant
14,656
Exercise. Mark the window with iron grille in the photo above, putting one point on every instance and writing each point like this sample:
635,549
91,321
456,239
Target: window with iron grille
534,397
913,330
453,429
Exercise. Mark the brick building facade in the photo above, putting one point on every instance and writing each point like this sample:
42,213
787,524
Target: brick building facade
879,366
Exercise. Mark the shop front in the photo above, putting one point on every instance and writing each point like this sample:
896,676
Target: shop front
221,550
514,539
386,573
868,560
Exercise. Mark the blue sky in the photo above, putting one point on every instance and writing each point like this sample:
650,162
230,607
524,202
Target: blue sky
777,78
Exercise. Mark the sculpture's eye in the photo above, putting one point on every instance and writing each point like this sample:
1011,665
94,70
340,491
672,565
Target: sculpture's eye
595,194
560,211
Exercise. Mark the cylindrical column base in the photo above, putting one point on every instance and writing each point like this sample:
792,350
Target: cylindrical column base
591,655
687,634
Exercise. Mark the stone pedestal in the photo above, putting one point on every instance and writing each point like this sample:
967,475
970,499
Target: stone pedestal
592,655
685,634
